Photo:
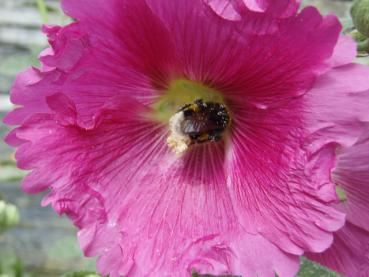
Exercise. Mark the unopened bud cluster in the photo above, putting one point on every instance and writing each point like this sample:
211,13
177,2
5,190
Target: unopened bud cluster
360,17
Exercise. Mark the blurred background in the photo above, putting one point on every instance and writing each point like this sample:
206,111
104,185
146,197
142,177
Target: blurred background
33,240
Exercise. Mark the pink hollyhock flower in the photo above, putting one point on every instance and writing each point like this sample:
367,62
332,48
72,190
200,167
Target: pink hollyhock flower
192,135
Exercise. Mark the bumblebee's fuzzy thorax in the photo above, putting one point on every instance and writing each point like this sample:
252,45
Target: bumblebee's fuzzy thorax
197,122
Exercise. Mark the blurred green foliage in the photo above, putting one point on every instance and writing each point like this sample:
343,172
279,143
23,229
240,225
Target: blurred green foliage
81,274
42,8
9,216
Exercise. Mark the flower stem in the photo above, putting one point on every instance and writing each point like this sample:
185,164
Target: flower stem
43,10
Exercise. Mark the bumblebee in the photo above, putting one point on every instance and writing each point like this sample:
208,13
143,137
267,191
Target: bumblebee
204,121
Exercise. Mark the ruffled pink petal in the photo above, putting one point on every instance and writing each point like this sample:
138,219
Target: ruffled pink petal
235,9
279,9
337,106
100,11
94,65
257,5
256,256
288,205
225,9
344,52
69,46
349,253
130,33
352,175
256,68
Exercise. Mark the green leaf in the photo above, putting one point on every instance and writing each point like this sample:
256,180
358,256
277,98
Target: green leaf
18,268
311,269
308,269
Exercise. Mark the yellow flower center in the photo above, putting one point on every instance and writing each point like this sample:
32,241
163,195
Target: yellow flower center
180,93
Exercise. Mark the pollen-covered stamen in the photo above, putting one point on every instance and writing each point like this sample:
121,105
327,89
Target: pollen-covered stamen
197,122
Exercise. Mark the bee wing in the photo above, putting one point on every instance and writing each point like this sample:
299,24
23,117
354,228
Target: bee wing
193,126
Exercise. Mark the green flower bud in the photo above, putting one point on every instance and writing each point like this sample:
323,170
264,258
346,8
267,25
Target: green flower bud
357,36
360,16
